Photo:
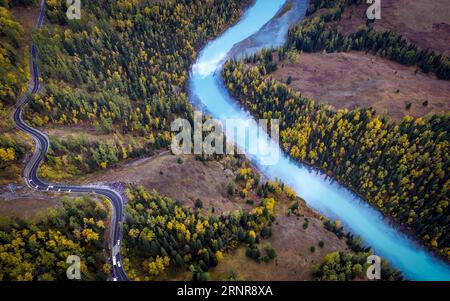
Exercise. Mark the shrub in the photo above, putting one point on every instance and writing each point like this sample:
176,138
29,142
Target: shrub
231,188
289,80
270,251
198,204
253,252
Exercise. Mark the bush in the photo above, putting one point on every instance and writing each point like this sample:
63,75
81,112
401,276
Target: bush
233,275
289,80
198,204
266,232
270,251
305,224
253,252
231,188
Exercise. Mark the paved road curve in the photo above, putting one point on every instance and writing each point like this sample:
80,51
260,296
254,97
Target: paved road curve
42,144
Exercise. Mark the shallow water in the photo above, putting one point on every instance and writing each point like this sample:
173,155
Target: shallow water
258,29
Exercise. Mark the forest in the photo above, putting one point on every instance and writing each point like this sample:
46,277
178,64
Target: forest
160,236
14,76
340,266
123,67
399,168
12,66
39,250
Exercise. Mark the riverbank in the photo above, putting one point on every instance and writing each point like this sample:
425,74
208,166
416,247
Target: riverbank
329,198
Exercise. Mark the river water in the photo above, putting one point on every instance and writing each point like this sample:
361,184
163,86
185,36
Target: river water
263,26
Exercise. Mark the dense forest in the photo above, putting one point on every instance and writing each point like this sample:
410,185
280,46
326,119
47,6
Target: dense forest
162,236
39,250
122,68
13,64
400,168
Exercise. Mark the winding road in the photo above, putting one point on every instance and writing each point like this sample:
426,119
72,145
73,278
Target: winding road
42,145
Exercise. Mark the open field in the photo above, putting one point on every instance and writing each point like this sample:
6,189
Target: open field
356,79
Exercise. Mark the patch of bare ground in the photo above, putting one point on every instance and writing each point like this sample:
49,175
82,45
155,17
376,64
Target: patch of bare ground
423,22
17,201
27,17
182,178
356,79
